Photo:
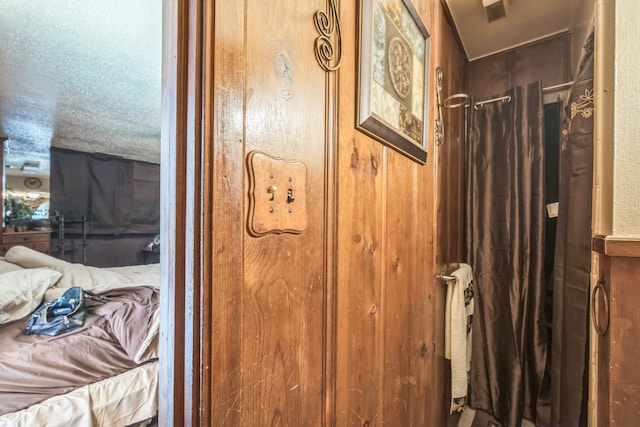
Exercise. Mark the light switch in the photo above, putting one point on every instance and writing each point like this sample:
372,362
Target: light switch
277,195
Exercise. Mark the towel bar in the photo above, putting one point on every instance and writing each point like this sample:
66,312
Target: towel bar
446,278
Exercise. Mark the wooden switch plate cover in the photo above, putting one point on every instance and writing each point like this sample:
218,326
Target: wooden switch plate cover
277,195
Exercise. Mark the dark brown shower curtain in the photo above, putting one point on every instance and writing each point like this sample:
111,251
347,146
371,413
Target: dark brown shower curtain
505,247
572,267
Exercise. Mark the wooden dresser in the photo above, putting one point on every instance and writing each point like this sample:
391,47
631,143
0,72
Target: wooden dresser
37,240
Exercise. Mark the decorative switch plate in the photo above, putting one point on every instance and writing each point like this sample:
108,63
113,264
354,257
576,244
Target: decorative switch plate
277,195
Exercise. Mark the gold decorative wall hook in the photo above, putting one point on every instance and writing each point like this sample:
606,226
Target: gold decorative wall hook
328,54
462,101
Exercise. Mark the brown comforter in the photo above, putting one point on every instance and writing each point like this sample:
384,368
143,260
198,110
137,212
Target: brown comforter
36,367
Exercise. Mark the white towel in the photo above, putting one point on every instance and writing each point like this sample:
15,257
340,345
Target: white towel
458,315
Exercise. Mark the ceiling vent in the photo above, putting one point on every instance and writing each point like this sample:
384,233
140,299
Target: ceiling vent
495,9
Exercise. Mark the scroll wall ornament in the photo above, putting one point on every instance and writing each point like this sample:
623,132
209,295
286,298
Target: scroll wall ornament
461,100
328,45
439,129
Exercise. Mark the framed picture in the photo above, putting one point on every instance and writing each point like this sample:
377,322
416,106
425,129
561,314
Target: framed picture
393,76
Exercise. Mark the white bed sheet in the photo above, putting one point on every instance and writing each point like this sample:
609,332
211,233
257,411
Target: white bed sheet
118,401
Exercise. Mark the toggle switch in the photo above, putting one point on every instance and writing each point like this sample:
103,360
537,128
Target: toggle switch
272,192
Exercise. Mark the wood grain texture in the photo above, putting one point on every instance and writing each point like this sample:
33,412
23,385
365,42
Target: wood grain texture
450,175
599,356
406,300
617,246
361,315
263,302
359,240
358,260
615,378
223,220
623,342
283,288
340,324
390,306
548,60
277,195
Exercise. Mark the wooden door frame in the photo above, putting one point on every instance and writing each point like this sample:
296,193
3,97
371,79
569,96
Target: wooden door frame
181,212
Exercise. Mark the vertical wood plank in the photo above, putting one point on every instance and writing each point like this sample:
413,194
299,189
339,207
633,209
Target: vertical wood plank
388,305
176,329
359,240
624,342
450,174
223,218
284,275
403,282
599,384
195,394
548,60
358,367
489,76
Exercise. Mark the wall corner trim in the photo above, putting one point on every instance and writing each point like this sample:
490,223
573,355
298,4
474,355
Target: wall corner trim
617,246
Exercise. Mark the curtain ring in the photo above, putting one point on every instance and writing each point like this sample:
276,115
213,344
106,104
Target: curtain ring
594,319
456,96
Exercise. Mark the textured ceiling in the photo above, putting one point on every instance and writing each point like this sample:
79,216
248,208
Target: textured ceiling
526,21
86,74
80,74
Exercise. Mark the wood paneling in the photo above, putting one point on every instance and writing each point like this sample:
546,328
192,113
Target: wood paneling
267,293
450,169
360,314
390,319
617,247
222,290
450,159
340,324
618,379
624,342
548,60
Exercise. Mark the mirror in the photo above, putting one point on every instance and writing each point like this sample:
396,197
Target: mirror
25,190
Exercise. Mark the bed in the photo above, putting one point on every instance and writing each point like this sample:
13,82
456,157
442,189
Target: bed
102,374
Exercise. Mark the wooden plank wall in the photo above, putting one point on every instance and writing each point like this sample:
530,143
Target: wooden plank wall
618,317
548,60
390,307
624,341
449,160
342,324
267,318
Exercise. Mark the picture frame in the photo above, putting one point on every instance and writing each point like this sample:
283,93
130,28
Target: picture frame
393,76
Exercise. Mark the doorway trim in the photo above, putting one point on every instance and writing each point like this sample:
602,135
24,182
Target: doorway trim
181,213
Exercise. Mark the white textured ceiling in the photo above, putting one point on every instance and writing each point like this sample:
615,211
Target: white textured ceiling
526,21
82,75
86,74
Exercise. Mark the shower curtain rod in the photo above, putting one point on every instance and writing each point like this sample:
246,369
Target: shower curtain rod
554,87
507,98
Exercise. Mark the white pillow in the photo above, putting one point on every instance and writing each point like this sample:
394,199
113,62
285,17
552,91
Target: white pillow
72,274
21,291
6,266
